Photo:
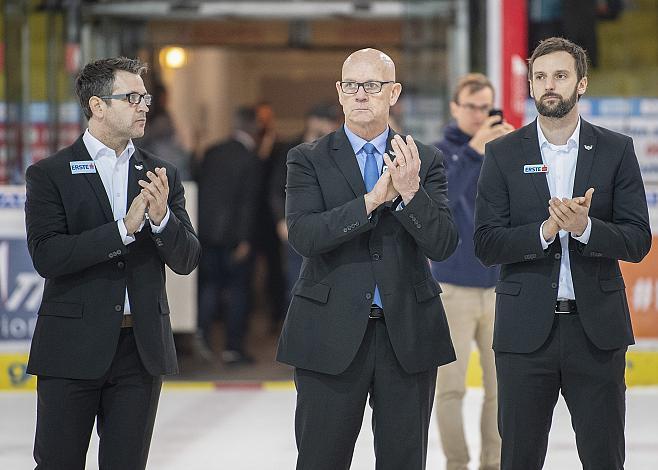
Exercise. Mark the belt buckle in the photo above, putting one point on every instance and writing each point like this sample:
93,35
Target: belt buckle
376,313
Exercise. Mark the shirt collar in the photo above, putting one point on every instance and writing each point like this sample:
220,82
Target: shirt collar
572,142
245,139
96,148
358,142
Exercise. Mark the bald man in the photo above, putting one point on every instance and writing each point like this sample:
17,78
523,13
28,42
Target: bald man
366,208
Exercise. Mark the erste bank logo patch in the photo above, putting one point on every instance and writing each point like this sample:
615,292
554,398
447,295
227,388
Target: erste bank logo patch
541,168
83,167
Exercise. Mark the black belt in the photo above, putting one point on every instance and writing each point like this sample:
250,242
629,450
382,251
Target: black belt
376,313
566,307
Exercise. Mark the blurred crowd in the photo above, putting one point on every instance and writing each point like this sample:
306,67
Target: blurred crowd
246,261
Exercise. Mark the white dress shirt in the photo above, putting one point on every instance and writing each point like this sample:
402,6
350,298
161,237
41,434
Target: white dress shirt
114,171
561,161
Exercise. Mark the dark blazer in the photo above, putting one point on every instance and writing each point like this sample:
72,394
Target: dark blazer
346,253
229,180
511,206
75,245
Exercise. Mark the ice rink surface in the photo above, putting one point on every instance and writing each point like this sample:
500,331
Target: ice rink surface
250,429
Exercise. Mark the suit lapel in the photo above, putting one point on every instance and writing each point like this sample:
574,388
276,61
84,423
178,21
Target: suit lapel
533,157
80,153
345,159
136,171
585,158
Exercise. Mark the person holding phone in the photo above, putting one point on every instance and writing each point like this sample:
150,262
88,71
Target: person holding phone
467,285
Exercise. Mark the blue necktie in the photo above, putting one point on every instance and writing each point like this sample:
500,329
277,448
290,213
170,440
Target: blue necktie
370,171
370,177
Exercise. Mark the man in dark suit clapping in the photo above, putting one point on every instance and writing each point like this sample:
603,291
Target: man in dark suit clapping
366,319
559,203
103,219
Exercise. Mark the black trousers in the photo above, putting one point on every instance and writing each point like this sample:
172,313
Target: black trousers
123,401
330,409
591,381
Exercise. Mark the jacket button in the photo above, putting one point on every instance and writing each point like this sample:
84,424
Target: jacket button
558,256
118,308
554,285
344,229
121,265
419,225
368,296
118,252
376,257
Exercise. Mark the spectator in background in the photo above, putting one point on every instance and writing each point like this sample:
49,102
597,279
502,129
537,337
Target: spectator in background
319,121
160,136
228,191
468,294
267,245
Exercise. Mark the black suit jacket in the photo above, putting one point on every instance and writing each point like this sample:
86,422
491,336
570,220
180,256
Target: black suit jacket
346,253
511,206
75,245
228,194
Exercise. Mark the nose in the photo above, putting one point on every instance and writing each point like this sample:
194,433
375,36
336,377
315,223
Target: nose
550,84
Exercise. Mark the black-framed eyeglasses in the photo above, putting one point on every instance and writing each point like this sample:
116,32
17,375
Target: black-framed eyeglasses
132,98
371,86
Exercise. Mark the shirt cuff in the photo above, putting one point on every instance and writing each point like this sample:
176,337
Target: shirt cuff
163,224
544,243
123,232
584,238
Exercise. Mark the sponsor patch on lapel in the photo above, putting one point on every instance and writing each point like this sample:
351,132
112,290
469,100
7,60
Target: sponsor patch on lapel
541,168
83,167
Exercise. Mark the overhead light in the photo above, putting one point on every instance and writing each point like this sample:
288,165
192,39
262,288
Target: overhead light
173,57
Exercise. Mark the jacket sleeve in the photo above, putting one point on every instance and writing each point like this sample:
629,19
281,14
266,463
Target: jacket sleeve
427,216
312,229
495,240
54,251
178,245
627,236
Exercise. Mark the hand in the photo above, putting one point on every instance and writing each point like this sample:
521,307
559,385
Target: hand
571,214
241,252
136,214
156,194
405,169
282,230
488,132
382,192
550,229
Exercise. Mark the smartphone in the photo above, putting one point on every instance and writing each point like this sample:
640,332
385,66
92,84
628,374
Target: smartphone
496,112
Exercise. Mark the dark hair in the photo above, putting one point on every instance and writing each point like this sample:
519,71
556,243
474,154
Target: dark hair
245,118
324,111
97,78
473,82
555,44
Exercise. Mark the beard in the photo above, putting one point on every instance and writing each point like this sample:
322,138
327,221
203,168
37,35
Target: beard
559,109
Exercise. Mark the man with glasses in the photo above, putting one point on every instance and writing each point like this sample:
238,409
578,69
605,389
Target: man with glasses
103,218
366,320
468,294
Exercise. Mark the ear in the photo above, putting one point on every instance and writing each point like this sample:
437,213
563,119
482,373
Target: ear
454,107
97,106
532,94
582,86
395,93
340,93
